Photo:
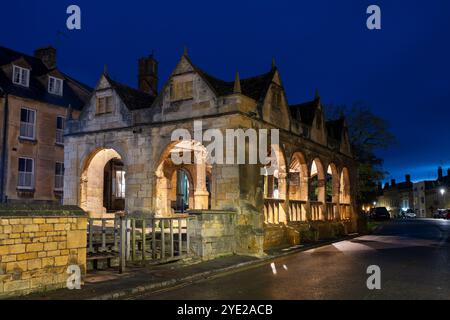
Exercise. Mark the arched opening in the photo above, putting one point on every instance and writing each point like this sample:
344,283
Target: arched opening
183,179
275,176
275,187
345,197
332,192
298,188
103,183
317,189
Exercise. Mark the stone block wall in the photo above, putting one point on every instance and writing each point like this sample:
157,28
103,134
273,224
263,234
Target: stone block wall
296,233
37,246
212,234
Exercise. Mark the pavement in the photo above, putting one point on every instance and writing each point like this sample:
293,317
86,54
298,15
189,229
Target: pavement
413,257
109,284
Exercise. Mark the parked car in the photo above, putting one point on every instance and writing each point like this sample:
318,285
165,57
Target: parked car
380,213
441,214
408,214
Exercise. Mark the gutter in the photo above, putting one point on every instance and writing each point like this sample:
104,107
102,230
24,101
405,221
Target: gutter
4,151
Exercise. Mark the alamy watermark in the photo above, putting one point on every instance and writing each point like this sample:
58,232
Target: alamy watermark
374,280
234,147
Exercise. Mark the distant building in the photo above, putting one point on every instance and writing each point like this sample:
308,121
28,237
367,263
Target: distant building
424,197
397,196
432,195
35,100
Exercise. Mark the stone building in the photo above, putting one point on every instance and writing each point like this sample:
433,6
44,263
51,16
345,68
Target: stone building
118,156
397,197
424,197
431,195
35,97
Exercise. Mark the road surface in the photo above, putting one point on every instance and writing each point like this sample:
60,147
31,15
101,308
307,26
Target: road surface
413,256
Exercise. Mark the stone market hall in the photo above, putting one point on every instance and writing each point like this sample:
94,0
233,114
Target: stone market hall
118,159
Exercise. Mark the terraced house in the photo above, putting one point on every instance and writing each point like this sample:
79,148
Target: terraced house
118,158
35,100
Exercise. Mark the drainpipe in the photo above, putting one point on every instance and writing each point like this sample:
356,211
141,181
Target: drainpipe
4,150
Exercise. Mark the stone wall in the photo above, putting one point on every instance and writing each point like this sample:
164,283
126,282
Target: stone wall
295,233
37,246
212,234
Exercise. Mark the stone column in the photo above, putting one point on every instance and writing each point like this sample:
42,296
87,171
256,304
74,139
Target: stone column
321,184
201,194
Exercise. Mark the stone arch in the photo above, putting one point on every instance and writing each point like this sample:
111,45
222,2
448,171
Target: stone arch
317,181
332,184
298,177
194,163
275,185
92,180
316,193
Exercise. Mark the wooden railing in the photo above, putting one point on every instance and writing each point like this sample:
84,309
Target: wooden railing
316,210
146,239
103,240
159,239
297,210
272,210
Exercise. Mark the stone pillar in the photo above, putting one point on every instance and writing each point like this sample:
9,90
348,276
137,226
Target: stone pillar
282,189
201,194
336,196
321,183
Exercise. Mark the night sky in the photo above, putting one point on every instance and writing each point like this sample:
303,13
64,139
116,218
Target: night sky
402,71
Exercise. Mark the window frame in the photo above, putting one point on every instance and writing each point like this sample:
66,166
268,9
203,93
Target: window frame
33,174
60,176
22,77
34,124
107,107
60,132
55,79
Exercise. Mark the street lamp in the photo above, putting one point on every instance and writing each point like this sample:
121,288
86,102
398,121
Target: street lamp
442,191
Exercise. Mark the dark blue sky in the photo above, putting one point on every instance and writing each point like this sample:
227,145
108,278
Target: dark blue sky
402,71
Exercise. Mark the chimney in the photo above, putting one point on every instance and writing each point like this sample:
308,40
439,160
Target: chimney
47,55
408,178
148,75
440,173
393,182
386,185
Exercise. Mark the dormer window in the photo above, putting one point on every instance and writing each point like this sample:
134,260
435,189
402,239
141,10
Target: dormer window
21,76
104,105
55,86
181,90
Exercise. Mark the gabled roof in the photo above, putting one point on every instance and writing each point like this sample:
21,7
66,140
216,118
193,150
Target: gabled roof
307,111
134,99
74,92
254,87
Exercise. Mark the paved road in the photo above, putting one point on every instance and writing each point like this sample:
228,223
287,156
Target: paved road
414,257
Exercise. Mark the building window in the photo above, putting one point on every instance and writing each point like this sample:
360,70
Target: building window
21,76
27,123
119,184
60,125
104,105
59,176
26,173
181,90
276,98
55,86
